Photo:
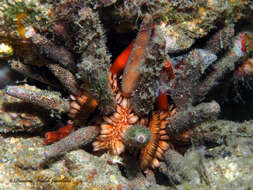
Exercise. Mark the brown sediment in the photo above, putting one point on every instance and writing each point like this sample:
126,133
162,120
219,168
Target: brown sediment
173,166
76,139
44,98
137,57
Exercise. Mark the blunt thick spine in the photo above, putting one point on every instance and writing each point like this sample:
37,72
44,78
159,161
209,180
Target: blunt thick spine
65,77
46,99
185,120
76,139
47,47
137,57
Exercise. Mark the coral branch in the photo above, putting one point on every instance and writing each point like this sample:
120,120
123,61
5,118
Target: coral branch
173,167
80,137
44,98
221,40
224,65
137,57
182,121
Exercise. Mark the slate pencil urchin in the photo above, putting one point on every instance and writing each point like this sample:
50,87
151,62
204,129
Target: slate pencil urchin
150,98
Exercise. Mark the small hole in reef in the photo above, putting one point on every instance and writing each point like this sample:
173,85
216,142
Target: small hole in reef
117,42
162,179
